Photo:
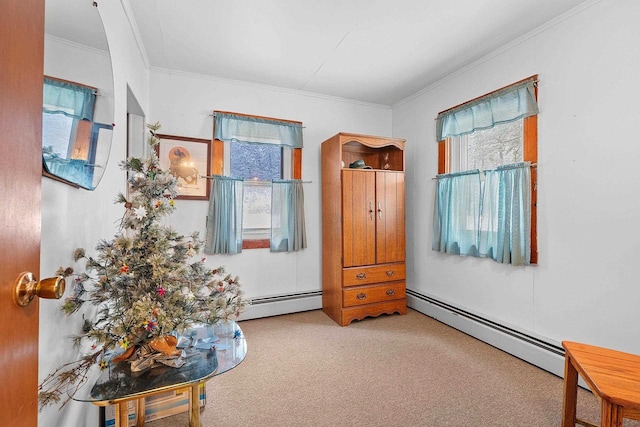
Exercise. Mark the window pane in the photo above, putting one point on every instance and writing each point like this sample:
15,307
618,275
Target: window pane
489,148
56,139
499,145
256,215
256,161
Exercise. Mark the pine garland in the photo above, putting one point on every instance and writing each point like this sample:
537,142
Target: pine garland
147,282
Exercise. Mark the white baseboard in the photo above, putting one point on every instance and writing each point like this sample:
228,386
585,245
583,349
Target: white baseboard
282,304
541,353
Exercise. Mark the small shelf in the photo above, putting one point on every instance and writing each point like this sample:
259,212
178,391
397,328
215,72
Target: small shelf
379,157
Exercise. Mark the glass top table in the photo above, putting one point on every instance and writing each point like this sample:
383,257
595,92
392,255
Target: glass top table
211,349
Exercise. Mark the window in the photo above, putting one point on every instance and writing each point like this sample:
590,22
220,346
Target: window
257,150
486,133
257,164
488,148
69,137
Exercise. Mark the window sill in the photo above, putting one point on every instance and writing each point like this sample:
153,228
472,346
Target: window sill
256,244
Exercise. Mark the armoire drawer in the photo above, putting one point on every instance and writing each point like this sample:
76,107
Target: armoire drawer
354,276
373,293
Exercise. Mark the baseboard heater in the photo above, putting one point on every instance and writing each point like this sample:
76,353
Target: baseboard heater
536,351
276,305
285,297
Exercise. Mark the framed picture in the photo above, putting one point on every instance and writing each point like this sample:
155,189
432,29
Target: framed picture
188,159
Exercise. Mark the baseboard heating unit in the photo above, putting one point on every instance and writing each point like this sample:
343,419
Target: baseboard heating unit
538,352
283,304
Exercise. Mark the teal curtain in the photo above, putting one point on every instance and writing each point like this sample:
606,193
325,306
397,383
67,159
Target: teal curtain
69,99
511,103
288,231
485,219
489,211
236,127
224,220
505,232
457,213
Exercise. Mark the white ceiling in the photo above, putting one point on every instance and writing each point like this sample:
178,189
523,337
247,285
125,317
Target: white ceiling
378,51
74,20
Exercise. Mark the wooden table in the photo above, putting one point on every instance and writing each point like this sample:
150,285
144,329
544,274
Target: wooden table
613,376
117,385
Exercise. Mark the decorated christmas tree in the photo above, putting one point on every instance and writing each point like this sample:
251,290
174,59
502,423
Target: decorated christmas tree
146,284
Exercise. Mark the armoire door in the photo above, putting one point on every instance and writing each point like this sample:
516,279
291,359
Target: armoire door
390,217
358,218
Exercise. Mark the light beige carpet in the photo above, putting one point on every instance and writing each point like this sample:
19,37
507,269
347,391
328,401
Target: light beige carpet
304,370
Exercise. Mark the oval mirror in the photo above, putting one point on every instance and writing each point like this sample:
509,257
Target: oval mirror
78,104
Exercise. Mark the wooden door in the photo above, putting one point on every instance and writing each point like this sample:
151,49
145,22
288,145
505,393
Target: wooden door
390,214
358,218
21,64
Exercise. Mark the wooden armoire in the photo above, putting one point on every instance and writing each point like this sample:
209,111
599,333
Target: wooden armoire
363,227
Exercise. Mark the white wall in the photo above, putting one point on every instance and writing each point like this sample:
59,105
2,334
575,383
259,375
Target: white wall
74,218
586,285
183,104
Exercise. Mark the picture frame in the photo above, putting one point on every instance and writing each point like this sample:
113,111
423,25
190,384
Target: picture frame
189,160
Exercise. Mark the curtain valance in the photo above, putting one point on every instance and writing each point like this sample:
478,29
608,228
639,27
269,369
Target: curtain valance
511,103
252,129
69,99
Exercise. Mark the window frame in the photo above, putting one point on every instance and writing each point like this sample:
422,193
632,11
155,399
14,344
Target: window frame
217,163
529,154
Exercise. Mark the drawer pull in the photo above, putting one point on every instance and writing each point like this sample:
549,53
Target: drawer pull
391,292
391,273
361,276
361,296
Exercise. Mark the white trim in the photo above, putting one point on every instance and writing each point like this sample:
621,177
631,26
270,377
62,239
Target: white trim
133,24
282,304
539,351
545,354
80,46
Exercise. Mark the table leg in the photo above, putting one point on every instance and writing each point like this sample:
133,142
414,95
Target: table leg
122,414
140,411
570,399
611,415
194,406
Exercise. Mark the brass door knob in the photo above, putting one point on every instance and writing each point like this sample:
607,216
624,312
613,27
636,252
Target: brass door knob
27,287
